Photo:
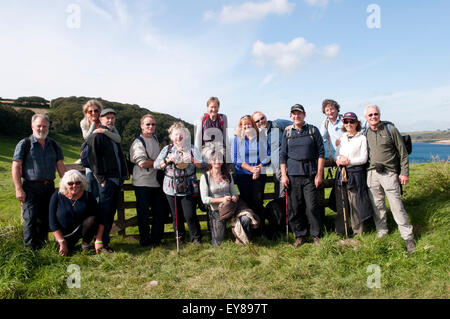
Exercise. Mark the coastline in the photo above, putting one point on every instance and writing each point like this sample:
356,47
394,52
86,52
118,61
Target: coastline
441,142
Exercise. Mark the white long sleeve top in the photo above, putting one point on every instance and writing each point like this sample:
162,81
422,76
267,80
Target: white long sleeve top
355,148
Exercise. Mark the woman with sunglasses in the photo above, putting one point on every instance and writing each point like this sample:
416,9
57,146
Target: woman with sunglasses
251,154
73,214
89,125
352,154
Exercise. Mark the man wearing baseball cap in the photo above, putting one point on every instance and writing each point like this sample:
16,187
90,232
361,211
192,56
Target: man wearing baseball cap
302,159
109,167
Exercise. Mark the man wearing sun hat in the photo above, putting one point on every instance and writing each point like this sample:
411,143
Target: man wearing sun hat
302,159
109,167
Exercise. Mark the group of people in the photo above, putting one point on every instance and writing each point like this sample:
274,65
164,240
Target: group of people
371,163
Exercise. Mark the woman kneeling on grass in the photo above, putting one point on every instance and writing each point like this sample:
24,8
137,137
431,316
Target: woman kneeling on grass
73,214
216,189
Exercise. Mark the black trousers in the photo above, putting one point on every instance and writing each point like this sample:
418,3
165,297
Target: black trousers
186,211
303,206
108,202
150,197
87,230
35,213
252,192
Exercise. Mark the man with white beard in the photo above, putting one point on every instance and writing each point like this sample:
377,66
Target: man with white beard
35,160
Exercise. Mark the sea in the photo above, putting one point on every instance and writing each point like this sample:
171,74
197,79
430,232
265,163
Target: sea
427,153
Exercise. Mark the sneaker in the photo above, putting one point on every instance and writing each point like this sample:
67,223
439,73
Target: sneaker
300,241
410,245
381,234
196,242
316,241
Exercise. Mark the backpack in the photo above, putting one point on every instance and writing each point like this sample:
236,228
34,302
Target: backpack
205,117
406,138
310,133
275,213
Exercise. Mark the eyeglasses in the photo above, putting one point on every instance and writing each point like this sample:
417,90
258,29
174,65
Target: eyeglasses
72,183
150,124
93,111
261,119
372,114
349,121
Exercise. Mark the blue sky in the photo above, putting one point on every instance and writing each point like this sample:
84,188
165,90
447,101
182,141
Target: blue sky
171,56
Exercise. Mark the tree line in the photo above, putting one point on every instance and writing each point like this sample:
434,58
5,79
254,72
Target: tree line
66,113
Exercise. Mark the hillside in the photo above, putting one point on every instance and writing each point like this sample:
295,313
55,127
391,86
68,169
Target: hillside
66,112
429,136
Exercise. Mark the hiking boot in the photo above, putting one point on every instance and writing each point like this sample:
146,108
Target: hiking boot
300,241
410,245
316,241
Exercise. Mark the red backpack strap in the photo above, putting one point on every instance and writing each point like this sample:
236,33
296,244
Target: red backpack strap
221,121
205,117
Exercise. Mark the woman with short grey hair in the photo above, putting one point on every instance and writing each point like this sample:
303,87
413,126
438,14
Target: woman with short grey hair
73,214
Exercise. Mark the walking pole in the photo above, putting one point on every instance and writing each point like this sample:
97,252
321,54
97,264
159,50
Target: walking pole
176,226
287,218
343,204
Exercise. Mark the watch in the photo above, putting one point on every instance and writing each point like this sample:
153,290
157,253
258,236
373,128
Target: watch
61,240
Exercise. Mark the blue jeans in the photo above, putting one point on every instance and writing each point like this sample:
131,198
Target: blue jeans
92,184
108,202
146,197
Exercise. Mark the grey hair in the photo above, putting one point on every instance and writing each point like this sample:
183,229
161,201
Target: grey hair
43,116
372,105
72,176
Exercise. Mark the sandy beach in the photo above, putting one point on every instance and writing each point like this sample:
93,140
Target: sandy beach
445,142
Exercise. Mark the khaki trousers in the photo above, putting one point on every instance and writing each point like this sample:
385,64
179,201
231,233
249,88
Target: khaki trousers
387,184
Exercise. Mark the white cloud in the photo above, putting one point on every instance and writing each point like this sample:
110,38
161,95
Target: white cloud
331,51
250,11
121,11
267,79
292,55
317,3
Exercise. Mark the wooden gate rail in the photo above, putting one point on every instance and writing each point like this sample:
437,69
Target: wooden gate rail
122,223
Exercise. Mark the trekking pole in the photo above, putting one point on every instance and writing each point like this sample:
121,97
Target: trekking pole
343,205
287,218
176,226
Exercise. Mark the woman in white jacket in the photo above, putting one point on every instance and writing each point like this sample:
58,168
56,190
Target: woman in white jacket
352,154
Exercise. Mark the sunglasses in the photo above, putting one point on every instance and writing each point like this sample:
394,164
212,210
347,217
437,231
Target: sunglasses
72,183
93,111
372,114
261,119
150,124
349,121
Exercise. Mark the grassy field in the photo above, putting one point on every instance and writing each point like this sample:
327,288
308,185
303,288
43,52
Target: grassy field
265,269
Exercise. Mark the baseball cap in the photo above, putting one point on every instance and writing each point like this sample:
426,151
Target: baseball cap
297,107
106,111
350,115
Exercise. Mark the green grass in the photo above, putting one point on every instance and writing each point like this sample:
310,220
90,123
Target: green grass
265,269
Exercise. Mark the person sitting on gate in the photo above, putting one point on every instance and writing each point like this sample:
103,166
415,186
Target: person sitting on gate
351,157
212,126
302,159
35,160
74,214
179,160
217,188
90,125
251,155
388,169
143,151
109,167
273,128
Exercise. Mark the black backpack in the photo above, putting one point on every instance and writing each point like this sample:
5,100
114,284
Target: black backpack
406,138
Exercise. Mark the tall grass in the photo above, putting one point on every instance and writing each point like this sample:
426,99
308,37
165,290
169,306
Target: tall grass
264,269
